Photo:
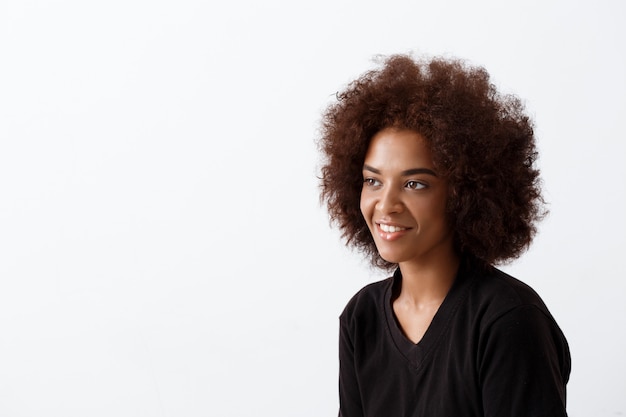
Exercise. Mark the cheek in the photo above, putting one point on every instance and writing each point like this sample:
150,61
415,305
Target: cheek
365,207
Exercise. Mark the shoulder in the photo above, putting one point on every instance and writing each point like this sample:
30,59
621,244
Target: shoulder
497,294
367,301
515,323
505,307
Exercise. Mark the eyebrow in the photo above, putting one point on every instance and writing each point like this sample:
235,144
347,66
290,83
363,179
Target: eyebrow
413,171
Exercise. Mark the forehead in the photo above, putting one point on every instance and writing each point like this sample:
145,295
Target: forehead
398,149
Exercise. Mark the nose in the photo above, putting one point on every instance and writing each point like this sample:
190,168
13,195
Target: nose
389,201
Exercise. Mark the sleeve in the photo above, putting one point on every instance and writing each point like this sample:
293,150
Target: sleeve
349,395
524,365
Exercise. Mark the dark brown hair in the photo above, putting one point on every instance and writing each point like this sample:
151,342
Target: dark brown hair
481,141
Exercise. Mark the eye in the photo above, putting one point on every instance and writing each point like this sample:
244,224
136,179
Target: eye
415,185
371,182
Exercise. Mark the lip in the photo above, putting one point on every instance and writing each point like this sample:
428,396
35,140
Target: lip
393,234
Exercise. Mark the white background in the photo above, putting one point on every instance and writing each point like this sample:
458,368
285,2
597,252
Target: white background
162,248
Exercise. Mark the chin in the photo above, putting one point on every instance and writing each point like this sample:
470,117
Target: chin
393,258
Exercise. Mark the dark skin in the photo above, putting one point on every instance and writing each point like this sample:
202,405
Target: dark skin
403,202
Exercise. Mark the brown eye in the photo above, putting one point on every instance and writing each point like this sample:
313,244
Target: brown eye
372,182
415,185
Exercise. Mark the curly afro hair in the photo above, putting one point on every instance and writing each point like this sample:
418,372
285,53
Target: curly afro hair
482,142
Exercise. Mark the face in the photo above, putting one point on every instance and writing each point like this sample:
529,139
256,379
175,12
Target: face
403,199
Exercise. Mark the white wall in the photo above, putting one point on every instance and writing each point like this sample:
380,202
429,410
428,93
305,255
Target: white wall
162,249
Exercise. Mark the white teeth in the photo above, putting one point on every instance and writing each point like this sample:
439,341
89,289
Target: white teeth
390,229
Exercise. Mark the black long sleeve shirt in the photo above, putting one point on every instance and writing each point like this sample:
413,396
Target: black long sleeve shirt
492,349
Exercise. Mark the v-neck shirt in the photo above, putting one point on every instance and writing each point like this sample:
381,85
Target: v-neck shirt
416,353
492,349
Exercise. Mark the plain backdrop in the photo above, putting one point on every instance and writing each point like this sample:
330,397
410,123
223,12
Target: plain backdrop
162,248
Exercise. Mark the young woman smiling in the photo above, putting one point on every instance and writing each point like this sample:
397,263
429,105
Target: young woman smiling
431,173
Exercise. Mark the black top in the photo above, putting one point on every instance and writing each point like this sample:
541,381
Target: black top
492,349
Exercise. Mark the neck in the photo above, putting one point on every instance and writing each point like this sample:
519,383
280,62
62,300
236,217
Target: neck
425,283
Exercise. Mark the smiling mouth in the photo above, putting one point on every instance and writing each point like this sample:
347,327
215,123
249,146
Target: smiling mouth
391,229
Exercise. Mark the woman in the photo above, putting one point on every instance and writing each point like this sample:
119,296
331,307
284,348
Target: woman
431,173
